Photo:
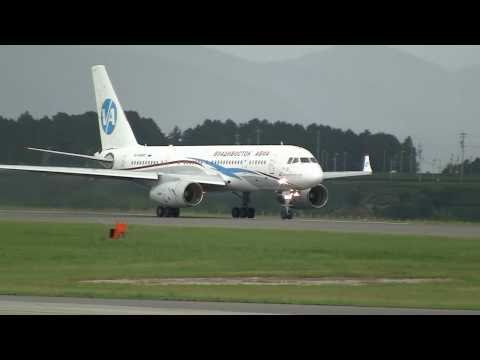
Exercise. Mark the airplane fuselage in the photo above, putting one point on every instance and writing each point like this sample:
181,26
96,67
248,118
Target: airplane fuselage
243,167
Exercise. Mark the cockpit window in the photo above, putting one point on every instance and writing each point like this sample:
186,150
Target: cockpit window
290,161
314,160
295,160
304,160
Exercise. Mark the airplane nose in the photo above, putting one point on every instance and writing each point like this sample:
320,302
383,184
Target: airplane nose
314,176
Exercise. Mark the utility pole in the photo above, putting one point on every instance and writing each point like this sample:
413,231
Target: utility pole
452,165
409,160
401,161
419,154
258,136
462,147
384,160
391,168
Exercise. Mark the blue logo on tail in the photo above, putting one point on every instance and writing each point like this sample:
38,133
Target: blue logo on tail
108,116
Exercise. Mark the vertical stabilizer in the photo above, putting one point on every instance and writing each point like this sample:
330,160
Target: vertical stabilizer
366,164
115,130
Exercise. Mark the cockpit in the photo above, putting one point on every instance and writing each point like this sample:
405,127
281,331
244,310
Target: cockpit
294,160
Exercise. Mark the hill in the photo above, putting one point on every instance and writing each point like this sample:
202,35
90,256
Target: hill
378,88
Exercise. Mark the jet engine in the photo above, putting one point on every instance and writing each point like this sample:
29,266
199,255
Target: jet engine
177,194
316,197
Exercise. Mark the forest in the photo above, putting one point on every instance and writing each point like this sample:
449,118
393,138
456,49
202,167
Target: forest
336,149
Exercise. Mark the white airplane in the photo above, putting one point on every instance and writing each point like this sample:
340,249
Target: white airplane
179,176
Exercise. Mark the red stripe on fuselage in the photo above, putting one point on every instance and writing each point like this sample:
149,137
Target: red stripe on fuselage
163,164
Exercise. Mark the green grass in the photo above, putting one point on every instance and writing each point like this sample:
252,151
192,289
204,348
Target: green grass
51,259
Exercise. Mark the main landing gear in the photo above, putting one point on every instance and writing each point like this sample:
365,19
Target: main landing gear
245,211
168,212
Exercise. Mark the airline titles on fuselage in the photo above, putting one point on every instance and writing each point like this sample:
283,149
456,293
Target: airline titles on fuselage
240,153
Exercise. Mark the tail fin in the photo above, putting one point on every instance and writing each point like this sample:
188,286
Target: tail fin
366,164
115,131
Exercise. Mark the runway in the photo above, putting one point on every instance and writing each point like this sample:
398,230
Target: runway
29,305
146,218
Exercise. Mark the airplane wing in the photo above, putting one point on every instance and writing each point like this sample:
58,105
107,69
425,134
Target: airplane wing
367,170
118,174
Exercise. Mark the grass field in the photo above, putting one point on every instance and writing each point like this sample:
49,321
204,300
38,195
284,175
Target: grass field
52,259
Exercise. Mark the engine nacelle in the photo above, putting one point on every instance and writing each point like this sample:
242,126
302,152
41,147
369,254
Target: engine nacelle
316,197
177,194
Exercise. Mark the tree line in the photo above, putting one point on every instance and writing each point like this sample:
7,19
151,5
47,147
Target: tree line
335,149
470,167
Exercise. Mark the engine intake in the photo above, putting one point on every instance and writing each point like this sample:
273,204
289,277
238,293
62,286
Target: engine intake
316,197
177,194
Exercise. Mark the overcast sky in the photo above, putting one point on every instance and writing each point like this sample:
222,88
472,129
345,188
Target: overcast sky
263,53
452,57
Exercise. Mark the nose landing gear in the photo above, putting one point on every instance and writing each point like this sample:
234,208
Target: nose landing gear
285,199
286,213
245,211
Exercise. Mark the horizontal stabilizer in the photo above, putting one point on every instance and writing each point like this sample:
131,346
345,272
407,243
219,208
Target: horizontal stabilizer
73,155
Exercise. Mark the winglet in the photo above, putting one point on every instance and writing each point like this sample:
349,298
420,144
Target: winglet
366,164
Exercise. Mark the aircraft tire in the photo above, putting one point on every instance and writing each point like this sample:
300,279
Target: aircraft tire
161,211
286,214
235,213
172,212
243,212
